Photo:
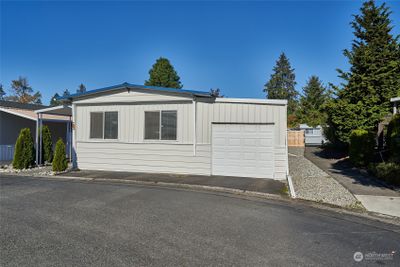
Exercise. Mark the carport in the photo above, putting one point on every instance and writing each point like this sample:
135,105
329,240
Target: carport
61,114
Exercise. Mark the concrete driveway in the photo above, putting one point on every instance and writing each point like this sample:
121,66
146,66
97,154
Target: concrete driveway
75,223
373,195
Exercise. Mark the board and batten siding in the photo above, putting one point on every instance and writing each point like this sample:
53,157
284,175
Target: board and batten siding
246,113
130,152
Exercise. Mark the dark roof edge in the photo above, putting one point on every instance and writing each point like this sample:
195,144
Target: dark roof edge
136,86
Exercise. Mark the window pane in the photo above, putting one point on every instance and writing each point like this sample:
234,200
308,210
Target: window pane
96,125
168,125
152,125
111,125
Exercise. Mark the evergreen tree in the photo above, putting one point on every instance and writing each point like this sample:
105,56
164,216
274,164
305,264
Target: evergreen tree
81,88
47,149
66,93
22,92
24,154
373,78
163,74
2,93
311,109
54,101
60,161
282,83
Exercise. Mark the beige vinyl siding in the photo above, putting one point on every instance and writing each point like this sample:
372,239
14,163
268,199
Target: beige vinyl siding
131,122
130,152
131,96
158,158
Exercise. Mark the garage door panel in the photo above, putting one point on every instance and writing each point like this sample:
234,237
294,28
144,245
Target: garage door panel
247,150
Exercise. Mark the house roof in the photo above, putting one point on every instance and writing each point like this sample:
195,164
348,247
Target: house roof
17,105
395,99
32,115
137,87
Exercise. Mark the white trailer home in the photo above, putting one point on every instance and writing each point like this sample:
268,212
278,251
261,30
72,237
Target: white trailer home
162,130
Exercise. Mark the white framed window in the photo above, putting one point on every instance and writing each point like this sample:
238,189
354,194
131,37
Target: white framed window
104,125
160,125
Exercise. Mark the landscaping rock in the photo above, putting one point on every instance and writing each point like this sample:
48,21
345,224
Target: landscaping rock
311,183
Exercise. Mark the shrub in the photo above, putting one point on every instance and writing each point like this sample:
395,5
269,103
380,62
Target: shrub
24,154
361,148
388,172
393,138
60,161
47,149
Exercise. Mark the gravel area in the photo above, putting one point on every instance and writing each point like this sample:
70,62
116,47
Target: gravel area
312,183
37,171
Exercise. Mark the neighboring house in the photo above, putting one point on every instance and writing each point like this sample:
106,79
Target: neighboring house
150,129
313,135
396,104
15,116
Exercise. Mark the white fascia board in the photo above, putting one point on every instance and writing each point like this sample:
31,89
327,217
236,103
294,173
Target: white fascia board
51,109
17,114
395,99
252,101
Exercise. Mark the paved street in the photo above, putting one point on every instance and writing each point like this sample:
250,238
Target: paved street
75,223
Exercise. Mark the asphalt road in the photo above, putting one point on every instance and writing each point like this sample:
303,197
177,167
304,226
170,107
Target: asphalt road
70,223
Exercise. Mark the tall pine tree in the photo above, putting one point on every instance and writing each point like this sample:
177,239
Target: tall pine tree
312,102
282,83
81,88
22,92
163,74
54,101
2,93
373,78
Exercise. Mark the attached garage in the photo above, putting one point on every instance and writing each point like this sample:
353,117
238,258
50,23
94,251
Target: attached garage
245,150
162,130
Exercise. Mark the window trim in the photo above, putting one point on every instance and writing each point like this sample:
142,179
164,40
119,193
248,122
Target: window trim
159,140
104,125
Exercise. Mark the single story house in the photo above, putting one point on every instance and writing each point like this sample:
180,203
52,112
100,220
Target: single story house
140,128
15,116
313,136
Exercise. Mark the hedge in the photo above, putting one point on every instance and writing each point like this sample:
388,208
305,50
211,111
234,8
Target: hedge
24,154
60,161
388,172
393,138
361,149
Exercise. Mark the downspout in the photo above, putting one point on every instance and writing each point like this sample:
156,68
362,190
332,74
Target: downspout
289,178
37,140
73,126
40,138
194,127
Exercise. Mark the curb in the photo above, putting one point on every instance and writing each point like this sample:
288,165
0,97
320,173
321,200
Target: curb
176,185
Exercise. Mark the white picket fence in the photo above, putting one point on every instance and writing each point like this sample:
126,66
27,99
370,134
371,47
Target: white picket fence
6,152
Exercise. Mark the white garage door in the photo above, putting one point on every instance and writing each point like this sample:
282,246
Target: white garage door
245,150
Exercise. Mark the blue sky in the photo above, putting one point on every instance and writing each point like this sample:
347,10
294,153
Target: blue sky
231,45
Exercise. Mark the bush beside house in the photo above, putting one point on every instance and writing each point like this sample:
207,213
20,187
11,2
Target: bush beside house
24,155
60,160
393,139
47,149
361,149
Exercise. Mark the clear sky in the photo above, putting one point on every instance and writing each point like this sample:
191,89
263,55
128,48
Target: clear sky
231,45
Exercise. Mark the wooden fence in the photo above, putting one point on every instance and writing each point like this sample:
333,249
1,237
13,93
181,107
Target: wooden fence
296,138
